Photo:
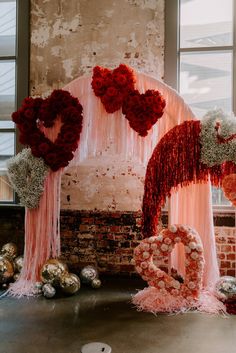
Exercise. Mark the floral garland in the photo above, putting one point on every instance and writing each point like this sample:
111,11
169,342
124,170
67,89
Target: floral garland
217,138
112,86
143,110
171,294
27,174
176,161
37,112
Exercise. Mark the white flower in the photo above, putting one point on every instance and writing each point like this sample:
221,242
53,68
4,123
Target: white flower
191,285
164,247
146,255
177,240
175,284
154,246
183,228
151,267
199,248
167,241
187,250
161,284
192,245
151,239
194,255
159,237
173,229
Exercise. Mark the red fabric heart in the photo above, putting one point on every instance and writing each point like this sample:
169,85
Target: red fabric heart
143,110
37,111
112,86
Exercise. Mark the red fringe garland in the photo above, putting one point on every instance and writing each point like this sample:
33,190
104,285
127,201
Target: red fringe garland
176,162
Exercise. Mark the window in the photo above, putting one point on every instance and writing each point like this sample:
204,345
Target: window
14,15
199,58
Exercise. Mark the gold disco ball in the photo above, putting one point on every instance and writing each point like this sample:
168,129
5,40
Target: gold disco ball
52,270
18,263
69,283
10,250
6,269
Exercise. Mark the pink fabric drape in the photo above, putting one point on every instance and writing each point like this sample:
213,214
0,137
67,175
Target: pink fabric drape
42,230
105,133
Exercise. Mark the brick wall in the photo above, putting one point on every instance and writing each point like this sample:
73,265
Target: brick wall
107,239
226,249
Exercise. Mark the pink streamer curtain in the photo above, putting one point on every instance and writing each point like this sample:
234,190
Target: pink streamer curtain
105,133
110,134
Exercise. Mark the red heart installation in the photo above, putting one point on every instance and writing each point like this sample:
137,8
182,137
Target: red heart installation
36,112
143,110
112,86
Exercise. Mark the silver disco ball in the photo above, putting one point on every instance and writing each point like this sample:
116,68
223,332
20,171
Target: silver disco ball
226,288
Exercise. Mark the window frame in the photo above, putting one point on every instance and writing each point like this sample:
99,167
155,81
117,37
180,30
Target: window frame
21,59
172,54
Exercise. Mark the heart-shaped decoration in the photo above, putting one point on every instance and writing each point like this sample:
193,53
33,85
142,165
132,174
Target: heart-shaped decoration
143,110
161,246
36,112
26,174
112,86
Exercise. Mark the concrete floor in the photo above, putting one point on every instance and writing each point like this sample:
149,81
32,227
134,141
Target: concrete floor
64,324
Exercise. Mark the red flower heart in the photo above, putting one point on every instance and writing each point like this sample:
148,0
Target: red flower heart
112,86
37,111
143,110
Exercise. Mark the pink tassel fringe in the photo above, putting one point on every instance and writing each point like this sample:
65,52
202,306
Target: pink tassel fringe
151,300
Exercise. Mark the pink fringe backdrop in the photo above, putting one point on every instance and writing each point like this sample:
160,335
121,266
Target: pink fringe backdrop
111,132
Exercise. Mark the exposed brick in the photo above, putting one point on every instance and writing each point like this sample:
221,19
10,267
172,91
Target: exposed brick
230,256
221,239
226,248
231,240
225,264
221,256
229,273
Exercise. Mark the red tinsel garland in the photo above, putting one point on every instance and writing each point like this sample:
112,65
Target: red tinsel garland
176,162
37,111
143,110
112,86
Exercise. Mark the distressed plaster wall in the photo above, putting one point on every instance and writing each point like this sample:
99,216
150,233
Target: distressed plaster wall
68,38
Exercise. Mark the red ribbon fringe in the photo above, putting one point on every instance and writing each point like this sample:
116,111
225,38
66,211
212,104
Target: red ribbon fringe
176,162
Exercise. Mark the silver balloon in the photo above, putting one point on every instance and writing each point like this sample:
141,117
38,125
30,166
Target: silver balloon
96,283
18,263
69,283
38,288
87,274
48,290
226,288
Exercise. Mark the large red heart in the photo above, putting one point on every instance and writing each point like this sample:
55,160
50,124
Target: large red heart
112,86
36,112
143,110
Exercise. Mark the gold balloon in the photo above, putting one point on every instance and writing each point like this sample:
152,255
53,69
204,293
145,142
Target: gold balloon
10,250
6,269
70,283
96,283
52,271
18,263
